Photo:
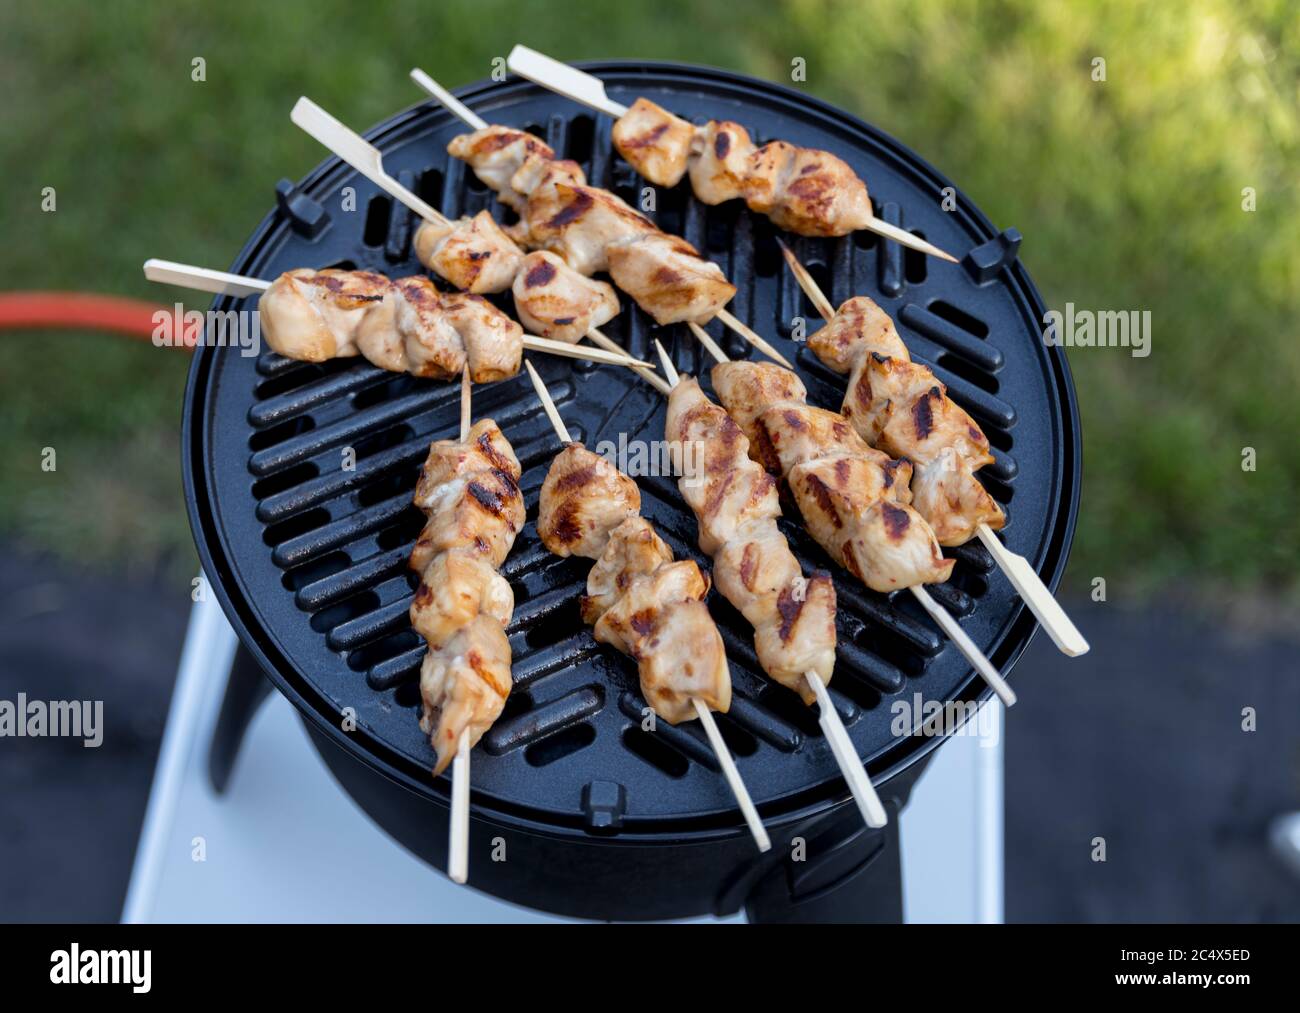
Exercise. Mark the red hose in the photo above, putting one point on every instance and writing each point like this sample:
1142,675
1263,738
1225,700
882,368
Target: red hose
81,311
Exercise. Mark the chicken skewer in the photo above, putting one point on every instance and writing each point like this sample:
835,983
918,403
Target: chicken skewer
405,325
854,500
735,503
591,228
810,192
861,339
546,290
638,599
469,488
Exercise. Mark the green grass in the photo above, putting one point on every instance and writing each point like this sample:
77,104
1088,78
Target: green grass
1128,193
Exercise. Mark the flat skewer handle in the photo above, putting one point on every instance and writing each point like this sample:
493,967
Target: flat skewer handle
563,79
1029,585
358,153
169,272
869,804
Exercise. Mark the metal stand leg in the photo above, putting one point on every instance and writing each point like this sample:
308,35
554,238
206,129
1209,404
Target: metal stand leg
246,688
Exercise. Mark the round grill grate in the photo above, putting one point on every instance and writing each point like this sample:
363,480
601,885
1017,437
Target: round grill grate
309,558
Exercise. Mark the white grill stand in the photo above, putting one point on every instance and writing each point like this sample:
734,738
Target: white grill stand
260,851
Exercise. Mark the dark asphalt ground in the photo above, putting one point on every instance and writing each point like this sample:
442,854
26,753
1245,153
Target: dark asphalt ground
1140,743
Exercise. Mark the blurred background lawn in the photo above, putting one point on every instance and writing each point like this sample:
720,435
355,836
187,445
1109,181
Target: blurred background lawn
1128,191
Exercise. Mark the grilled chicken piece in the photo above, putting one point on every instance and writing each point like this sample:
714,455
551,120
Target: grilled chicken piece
887,545
631,548
669,279
638,599
473,254
470,491
592,229
660,620
726,491
497,154
902,408
909,412
455,587
806,191
436,334
484,447
494,344
736,506
720,152
749,388
539,179
430,345
853,499
585,223
314,315
555,301
584,497
798,432
464,685
654,142
946,493
859,327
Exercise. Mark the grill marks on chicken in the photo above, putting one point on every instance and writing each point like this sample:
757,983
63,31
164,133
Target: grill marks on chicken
638,598
592,229
855,501
405,325
498,155
803,190
474,254
470,491
736,504
555,301
901,408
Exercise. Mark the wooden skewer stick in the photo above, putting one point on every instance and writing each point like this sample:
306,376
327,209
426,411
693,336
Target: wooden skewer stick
806,282
202,279
1046,609
753,338
453,105
837,736
732,775
476,122
590,91
548,404
458,845
725,761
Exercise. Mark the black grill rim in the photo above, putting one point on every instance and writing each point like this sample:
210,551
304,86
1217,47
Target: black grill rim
819,800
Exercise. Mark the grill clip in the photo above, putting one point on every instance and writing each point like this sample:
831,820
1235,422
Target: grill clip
307,217
985,263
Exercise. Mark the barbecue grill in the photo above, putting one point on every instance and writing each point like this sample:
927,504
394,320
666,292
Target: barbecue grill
595,816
